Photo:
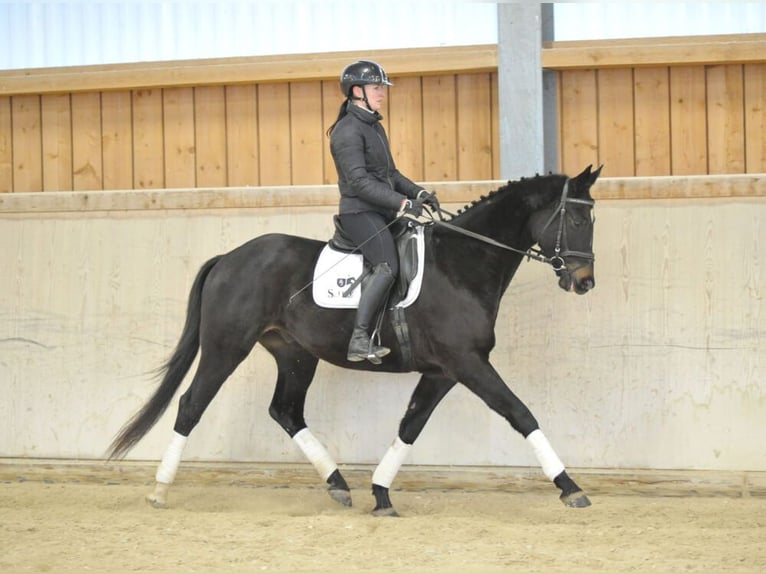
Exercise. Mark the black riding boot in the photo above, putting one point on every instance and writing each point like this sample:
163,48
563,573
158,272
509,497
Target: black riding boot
375,290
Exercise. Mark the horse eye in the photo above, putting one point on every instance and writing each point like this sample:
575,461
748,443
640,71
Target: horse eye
579,221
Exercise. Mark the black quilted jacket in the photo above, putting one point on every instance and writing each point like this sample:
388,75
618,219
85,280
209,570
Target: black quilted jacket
367,177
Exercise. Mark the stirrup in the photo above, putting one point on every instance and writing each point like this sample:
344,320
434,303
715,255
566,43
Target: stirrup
366,349
373,354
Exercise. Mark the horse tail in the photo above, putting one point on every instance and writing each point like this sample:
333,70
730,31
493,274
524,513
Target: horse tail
172,372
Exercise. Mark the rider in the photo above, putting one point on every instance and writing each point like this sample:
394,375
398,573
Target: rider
372,192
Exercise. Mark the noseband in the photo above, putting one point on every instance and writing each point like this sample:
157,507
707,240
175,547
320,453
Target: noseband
557,261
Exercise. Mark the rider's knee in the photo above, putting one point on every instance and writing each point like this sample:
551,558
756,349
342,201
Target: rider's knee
383,269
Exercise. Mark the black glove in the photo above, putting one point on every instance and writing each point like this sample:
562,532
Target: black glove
429,199
413,207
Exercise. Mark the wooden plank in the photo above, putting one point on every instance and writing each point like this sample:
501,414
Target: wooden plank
633,53
616,135
57,142
245,70
688,120
148,148
242,135
579,120
755,118
699,50
405,130
87,161
210,135
179,142
117,137
274,134
474,129
306,132
6,146
27,143
495,94
725,117
652,121
439,129
331,102
724,188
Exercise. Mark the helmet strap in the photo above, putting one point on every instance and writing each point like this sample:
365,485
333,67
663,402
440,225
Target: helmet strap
363,98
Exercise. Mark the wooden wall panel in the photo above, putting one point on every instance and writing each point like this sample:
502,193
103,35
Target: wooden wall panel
57,142
117,139
210,135
148,146
474,127
405,127
688,120
616,134
439,128
242,135
654,118
652,121
496,126
755,118
306,133
274,137
179,142
27,143
579,120
331,101
87,161
725,116
6,146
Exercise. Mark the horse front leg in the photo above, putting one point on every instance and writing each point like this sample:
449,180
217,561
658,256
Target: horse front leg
429,391
482,379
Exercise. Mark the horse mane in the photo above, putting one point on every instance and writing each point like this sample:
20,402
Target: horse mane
523,187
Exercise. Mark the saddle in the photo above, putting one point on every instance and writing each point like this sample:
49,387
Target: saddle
341,270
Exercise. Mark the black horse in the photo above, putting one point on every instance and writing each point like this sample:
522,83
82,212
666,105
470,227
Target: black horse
248,296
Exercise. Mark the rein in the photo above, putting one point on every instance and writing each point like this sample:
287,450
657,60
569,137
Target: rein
557,261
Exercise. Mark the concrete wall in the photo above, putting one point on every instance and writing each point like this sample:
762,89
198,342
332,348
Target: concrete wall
662,366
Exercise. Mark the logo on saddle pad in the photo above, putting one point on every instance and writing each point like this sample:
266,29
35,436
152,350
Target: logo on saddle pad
337,272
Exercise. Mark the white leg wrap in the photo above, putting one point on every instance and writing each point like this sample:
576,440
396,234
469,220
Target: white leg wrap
166,473
552,465
315,452
391,463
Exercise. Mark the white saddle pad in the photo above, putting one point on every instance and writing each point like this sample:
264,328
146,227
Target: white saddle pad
336,271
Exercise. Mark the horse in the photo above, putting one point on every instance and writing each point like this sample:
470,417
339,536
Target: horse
256,293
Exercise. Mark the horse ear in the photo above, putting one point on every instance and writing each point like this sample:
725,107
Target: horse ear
594,176
588,177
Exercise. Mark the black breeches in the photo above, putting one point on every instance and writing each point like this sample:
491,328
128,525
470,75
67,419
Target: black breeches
369,232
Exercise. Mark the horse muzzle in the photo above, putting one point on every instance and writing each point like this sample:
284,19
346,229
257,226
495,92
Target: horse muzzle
578,279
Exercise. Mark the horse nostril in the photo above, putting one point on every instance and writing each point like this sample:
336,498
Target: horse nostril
588,284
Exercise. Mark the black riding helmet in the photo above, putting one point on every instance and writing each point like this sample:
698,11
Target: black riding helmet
362,73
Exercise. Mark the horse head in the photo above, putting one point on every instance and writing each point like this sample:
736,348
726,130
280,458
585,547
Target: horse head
564,231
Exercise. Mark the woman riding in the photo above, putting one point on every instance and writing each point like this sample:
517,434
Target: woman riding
372,193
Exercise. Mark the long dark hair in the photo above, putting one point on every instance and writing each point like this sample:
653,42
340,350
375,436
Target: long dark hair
341,114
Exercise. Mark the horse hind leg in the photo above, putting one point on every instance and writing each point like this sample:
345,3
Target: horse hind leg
295,372
215,366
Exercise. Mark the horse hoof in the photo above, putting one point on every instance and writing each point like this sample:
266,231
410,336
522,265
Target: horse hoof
390,511
158,498
340,496
576,500
155,502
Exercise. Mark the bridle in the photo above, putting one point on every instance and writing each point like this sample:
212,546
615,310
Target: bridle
557,261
